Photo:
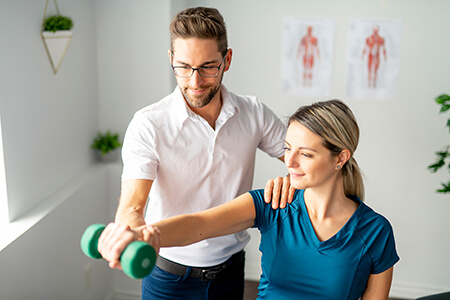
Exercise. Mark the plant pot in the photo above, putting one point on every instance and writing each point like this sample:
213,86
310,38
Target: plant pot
56,44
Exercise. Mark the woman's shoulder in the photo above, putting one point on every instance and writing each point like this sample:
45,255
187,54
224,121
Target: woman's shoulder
372,225
266,216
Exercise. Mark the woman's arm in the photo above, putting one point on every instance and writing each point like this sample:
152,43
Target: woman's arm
378,286
231,217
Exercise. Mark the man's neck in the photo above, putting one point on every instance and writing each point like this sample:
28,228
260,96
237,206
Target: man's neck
211,111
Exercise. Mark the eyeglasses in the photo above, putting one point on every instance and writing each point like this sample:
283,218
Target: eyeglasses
205,72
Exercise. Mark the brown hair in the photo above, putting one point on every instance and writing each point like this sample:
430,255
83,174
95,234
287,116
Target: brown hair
201,23
335,123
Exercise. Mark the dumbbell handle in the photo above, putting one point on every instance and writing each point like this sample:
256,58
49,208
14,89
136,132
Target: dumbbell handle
137,260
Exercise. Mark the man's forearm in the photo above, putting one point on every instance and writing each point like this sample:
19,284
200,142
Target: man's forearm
130,217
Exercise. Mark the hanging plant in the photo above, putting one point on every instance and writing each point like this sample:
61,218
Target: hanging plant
56,34
444,154
56,23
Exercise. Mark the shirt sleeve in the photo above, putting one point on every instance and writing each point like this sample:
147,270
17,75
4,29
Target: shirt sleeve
140,160
274,133
383,251
265,215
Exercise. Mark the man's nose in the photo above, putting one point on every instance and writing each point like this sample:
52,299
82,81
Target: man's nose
196,78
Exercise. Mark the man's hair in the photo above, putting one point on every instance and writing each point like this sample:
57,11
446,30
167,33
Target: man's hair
200,23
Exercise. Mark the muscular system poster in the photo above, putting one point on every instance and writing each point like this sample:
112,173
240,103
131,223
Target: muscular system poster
308,53
373,58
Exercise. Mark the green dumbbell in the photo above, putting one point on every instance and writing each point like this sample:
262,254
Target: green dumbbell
137,260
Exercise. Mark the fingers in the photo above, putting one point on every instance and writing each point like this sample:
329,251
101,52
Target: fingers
152,236
279,192
113,241
286,183
268,191
273,190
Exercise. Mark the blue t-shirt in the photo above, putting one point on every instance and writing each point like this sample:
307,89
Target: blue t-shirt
296,265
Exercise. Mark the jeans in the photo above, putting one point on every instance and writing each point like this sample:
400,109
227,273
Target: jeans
162,285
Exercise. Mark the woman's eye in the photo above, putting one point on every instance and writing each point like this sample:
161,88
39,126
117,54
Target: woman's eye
286,149
305,154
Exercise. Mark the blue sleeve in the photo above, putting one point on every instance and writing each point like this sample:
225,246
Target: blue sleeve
383,252
265,215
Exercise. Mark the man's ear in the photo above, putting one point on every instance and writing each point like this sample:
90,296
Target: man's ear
228,57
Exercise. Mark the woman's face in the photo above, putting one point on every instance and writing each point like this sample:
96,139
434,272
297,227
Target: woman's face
309,162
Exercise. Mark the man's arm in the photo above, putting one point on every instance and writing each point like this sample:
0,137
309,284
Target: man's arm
133,199
279,191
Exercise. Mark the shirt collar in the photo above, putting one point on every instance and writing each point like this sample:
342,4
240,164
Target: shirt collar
183,112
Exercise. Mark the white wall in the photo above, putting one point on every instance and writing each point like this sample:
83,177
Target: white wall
48,121
46,262
134,70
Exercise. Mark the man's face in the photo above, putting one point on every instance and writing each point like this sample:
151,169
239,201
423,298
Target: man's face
195,53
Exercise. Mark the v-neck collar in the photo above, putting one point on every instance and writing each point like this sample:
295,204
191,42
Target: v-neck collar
339,237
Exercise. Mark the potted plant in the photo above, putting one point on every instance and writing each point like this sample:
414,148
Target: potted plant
56,34
107,145
444,154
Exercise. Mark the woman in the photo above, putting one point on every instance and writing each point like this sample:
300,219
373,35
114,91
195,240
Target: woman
327,244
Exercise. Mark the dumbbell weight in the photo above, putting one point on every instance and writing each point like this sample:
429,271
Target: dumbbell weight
137,260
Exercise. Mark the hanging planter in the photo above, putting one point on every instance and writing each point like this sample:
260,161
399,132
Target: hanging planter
56,35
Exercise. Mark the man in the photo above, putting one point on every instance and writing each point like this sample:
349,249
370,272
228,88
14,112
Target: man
193,150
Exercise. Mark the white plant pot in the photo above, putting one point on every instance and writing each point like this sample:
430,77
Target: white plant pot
56,44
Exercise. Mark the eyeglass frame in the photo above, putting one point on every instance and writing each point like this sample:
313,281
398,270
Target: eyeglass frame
197,69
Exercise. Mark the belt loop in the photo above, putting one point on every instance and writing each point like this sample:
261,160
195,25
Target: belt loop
188,273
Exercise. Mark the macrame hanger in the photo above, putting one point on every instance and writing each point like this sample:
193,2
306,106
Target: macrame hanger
46,5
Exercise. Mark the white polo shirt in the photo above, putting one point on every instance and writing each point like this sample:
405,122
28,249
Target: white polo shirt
194,167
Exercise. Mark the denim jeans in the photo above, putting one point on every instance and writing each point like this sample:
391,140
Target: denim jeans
161,285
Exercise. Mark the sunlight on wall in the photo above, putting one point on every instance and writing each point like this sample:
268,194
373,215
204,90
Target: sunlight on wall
3,195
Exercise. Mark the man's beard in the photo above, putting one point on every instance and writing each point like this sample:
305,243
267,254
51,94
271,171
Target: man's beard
203,100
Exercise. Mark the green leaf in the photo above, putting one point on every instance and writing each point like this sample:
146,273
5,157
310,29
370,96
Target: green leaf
106,142
444,107
55,23
436,166
442,99
445,188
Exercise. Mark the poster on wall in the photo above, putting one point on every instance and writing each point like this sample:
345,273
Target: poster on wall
307,57
373,58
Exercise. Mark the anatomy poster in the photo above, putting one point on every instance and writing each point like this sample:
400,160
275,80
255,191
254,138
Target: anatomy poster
373,58
308,52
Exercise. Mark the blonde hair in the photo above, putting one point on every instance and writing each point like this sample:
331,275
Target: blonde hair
201,23
335,123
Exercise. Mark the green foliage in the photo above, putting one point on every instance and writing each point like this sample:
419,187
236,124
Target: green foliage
55,23
106,142
442,156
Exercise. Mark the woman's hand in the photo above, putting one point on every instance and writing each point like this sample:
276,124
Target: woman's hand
115,238
152,236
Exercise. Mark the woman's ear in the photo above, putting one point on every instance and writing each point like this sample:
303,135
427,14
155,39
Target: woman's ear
343,157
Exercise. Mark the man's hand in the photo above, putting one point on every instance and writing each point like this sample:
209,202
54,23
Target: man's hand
115,238
279,191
